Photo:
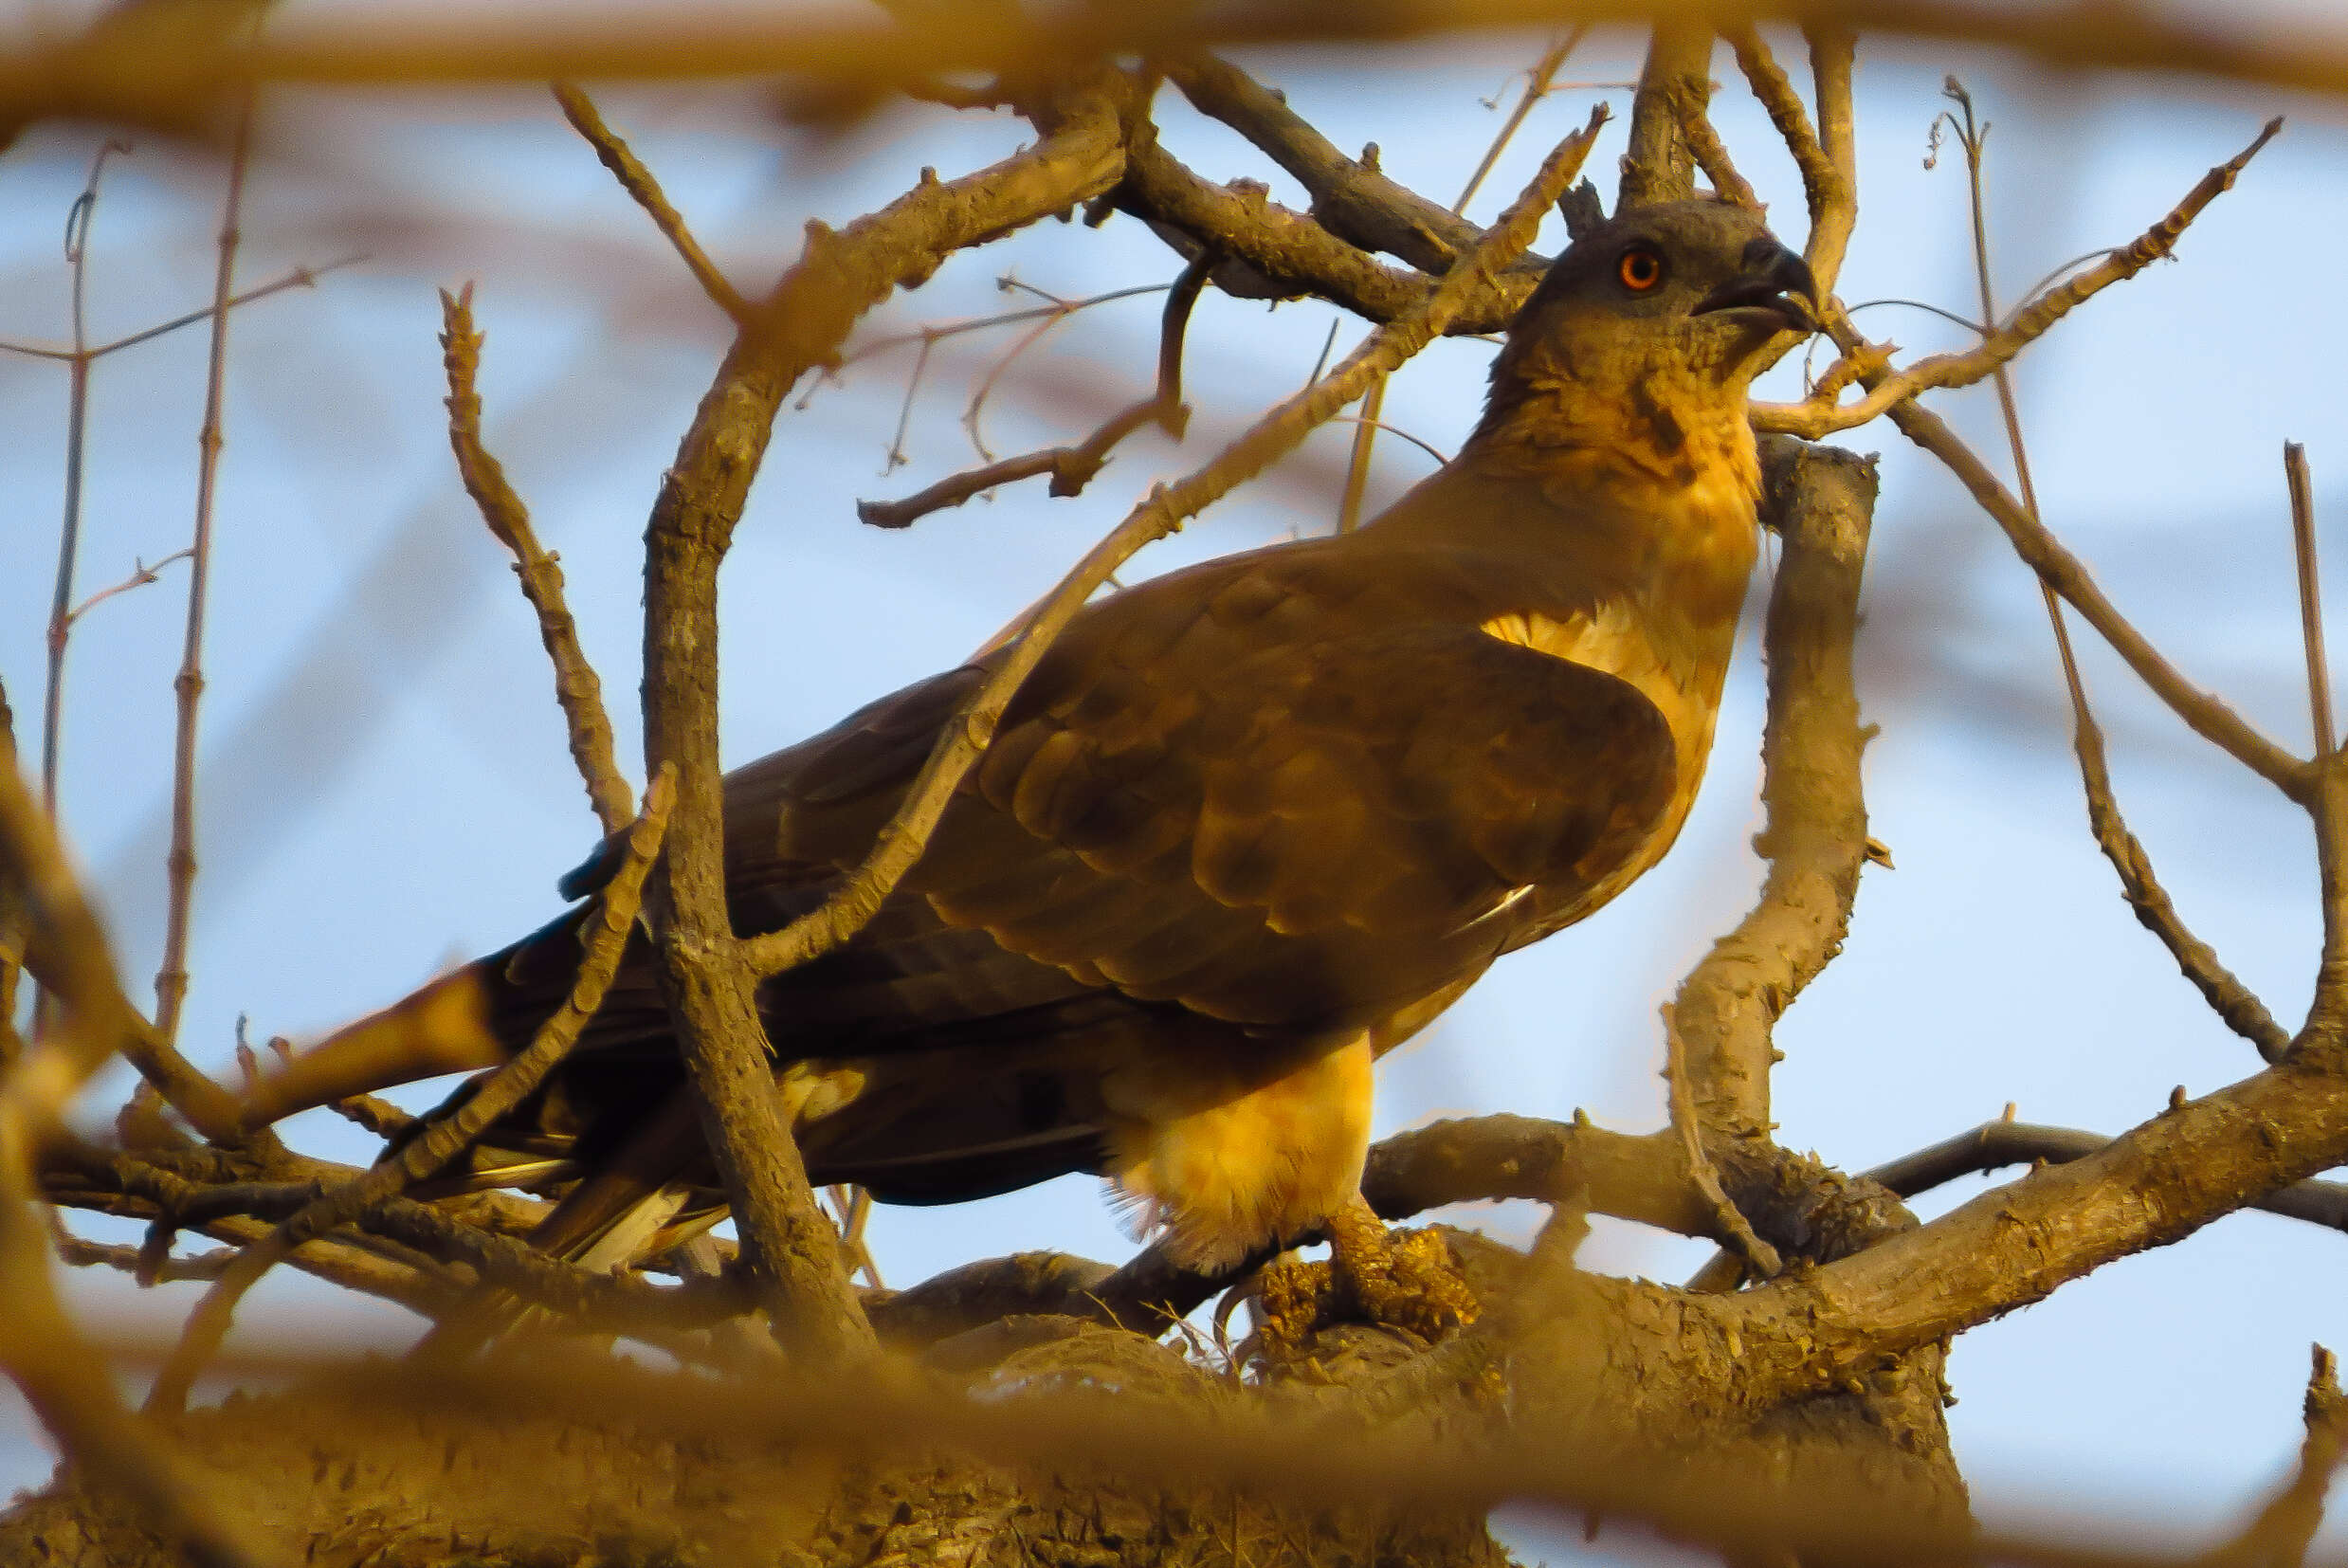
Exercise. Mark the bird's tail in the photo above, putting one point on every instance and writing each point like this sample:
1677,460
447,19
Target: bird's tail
642,1201
444,1027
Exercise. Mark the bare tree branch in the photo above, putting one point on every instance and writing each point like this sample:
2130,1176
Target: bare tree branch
170,980
612,151
1813,418
2279,1536
1674,85
605,941
791,1250
577,687
1815,838
1353,201
1071,468
2008,1143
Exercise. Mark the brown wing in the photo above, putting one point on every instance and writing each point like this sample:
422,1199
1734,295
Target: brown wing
1289,793
1287,790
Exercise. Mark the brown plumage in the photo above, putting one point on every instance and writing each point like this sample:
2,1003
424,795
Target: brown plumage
1246,827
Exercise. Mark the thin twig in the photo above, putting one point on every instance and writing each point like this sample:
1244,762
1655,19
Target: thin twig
615,153
77,425
2232,1001
1071,468
1397,432
2330,805
170,979
65,950
932,334
1371,421
1054,315
1811,418
541,575
300,277
2236,1005
141,574
605,939
965,738
2208,717
2310,595
1538,82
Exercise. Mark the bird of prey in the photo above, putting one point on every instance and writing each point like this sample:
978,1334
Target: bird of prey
1246,826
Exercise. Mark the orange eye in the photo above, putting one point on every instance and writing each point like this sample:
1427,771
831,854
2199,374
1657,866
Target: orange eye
1640,269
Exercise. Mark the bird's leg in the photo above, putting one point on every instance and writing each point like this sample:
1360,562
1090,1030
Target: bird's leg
1406,1282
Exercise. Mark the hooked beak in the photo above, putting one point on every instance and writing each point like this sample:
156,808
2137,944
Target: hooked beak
1775,284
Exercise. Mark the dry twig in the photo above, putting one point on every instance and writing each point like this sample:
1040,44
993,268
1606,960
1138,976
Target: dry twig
1813,418
577,687
606,941
1071,468
789,1252
2279,1536
170,980
2006,1142
2227,996
612,151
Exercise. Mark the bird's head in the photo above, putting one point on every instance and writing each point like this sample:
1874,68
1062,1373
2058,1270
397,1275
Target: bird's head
1671,305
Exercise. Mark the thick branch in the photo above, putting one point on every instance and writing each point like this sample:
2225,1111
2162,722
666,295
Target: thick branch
791,1251
1675,85
1463,1160
1816,835
1996,1143
1353,201
2155,1184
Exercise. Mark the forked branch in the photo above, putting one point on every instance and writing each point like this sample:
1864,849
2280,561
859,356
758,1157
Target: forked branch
607,938
1813,418
1071,468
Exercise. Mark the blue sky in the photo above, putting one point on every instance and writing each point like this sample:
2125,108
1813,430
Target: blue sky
386,789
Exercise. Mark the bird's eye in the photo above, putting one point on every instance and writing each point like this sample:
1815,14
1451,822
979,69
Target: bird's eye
1640,269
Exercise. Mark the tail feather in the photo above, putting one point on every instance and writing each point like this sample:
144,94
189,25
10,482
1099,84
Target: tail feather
616,1214
630,1192
444,1027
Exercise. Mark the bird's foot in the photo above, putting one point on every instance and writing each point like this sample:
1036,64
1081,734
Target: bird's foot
1407,1281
